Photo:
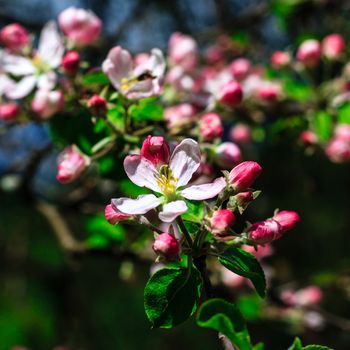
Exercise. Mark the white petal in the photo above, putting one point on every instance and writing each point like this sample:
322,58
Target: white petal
5,84
22,88
141,172
117,65
172,210
141,89
154,65
141,205
205,191
47,81
51,48
17,65
185,160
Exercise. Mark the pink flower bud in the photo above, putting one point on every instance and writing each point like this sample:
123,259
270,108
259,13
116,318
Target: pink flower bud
241,134
98,105
268,91
210,126
82,27
230,93
280,59
183,51
141,58
308,137
240,68
311,295
221,221
263,232
342,132
167,246
71,164
179,115
309,52
243,175
71,62
156,150
114,216
333,46
214,54
46,103
244,198
14,37
228,154
287,219
8,111
338,150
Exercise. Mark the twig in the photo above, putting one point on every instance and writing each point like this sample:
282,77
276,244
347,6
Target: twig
225,342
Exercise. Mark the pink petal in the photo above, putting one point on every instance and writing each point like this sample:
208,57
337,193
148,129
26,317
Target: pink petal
205,191
141,205
141,172
185,160
117,65
22,88
172,210
51,48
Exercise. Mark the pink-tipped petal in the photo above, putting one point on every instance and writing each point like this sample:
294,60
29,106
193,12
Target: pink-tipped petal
22,88
141,205
172,210
205,191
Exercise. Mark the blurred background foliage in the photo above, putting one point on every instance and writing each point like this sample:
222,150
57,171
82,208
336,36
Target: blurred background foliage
49,298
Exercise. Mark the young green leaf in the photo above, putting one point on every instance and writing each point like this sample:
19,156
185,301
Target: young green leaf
225,318
298,346
95,78
172,296
244,264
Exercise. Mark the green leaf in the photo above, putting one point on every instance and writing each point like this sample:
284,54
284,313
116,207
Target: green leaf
316,347
296,89
147,110
250,306
129,189
244,264
172,296
95,78
296,345
323,125
225,318
343,114
116,116
195,212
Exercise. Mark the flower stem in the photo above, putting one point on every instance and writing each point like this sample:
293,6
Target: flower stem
185,232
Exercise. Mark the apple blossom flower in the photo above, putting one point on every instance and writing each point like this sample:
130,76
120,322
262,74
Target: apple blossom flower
228,155
8,111
137,82
309,52
210,126
308,137
240,68
71,164
342,132
82,27
14,37
333,46
310,295
183,51
167,246
114,216
244,174
70,62
268,91
230,93
338,150
179,115
168,182
98,105
156,150
36,71
280,59
221,221
47,102
241,133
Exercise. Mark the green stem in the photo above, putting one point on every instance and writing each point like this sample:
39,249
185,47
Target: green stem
185,232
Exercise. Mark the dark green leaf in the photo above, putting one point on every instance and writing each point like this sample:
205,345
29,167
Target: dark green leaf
343,113
95,78
250,306
147,109
172,296
323,125
225,318
244,264
195,212
298,346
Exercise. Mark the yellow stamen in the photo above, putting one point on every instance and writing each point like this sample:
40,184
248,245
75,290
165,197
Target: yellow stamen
166,181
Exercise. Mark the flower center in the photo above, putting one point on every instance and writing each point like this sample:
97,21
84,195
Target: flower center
166,181
39,64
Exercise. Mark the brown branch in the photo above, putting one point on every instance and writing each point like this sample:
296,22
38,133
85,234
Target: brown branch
225,342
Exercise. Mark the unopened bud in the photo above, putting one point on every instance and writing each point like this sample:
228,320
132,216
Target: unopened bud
14,37
240,68
230,94
241,134
333,46
167,246
221,221
71,62
114,216
46,103
98,105
8,111
156,150
309,52
228,154
263,232
287,219
280,59
210,126
243,175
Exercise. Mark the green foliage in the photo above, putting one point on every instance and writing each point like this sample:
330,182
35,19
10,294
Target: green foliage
147,110
323,125
225,318
95,78
250,306
296,89
129,189
298,346
116,116
195,212
245,264
343,113
172,296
